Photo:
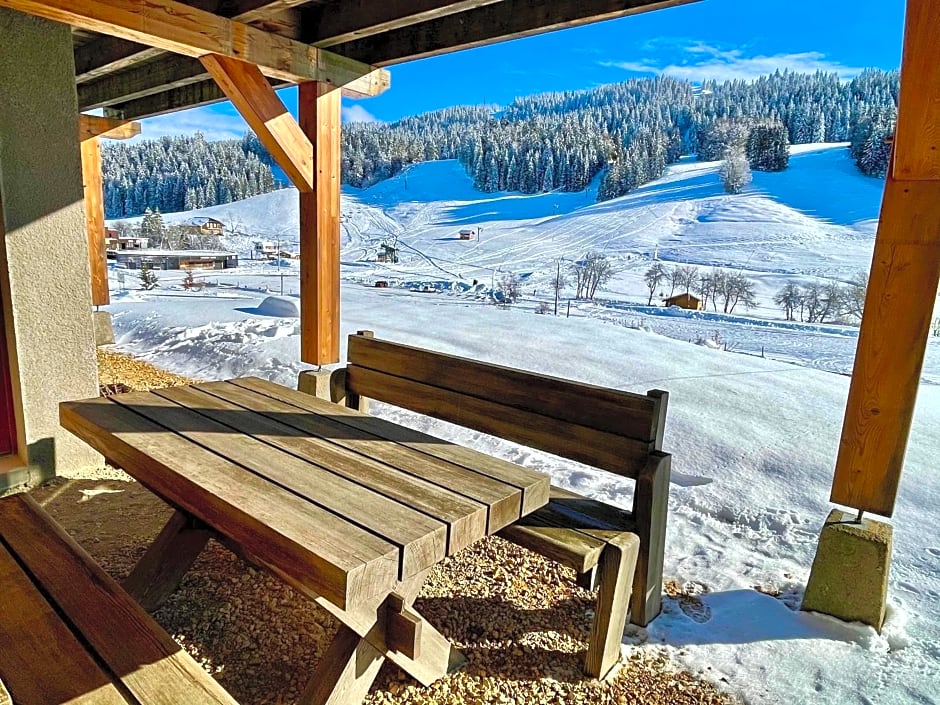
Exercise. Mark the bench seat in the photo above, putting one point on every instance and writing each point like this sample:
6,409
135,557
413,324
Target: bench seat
70,634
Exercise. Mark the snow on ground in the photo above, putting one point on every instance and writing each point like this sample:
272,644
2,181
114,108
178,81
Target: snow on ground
754,439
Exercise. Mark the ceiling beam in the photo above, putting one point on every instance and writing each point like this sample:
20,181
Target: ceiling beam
146,79
179,28
264,112
188,96
91,126
509,19
108,54
326,25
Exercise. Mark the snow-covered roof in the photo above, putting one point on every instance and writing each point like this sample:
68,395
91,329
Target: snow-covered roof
200,220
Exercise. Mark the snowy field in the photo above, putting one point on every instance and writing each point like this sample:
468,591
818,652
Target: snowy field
754,439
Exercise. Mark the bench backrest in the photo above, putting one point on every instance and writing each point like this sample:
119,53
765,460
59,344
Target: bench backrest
604,428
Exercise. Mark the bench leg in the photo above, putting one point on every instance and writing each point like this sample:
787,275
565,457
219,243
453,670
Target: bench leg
650,508
615,574
159,572
345,672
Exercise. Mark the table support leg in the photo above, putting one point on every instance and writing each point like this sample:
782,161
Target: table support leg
345,672
159,572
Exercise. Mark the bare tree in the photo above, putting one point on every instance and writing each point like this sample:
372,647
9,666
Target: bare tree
687,276
591,272
789,298
559,282
509,286
653,278
854,301
675,279
736,289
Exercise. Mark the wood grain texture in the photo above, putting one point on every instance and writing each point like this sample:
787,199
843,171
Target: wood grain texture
650,512
159,571
345,672
179,28
90,126
891,345
917,136
230,431
41,660
312,548
623,413
615,584
320,120
148,663
316,440
264,112
509,19
533,485
602,449
94,220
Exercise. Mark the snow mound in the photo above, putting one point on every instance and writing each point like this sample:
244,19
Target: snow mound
279,306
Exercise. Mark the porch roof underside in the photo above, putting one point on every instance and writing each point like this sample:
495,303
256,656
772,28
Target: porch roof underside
133,81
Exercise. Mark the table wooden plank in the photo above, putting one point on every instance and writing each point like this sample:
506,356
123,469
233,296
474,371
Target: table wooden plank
151,666
504,501
534,485
263,417
329,421
41,660
212,424
311,548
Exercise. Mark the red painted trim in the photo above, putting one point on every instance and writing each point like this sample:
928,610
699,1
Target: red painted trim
7,418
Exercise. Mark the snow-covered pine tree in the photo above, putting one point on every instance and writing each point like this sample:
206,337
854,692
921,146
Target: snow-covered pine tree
735,172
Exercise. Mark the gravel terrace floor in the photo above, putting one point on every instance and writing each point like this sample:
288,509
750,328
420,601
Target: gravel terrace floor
519,619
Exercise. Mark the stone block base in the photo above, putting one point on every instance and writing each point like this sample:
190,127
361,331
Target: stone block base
104,333
849,578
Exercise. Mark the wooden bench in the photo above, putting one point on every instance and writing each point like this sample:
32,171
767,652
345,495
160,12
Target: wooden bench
70,634
619,551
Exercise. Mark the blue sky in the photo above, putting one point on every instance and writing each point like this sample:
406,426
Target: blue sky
718,39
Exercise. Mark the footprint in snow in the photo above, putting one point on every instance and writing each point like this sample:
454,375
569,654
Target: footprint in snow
934,552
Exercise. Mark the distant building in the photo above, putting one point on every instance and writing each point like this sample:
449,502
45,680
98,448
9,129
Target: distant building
114,241
466,234
266,249
176,259
202,225
684,301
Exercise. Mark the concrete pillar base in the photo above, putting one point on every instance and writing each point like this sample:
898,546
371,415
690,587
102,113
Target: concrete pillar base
315,382
849,578
104,332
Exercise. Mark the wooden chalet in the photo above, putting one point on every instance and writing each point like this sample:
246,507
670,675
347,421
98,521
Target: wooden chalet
203,225
133,59
683,300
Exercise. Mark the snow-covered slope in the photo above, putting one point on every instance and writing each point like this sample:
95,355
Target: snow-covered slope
754,440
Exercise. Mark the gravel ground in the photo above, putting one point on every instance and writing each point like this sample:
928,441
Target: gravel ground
520,619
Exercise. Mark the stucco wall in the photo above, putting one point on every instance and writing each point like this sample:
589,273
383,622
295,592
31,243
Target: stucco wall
46,250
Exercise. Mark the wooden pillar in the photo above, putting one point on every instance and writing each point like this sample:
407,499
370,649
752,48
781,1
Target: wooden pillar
319,109
902,285
94,220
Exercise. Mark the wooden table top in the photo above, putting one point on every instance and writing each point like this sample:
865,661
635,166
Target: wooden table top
339,503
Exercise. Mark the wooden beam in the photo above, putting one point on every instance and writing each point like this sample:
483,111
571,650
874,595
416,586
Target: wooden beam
173,71
319,110
173,26
326,25
904,275
195,94
917,139
509,19
94,220
91,126
109,54
254,98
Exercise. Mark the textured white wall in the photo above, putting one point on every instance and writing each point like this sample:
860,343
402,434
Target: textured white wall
46,248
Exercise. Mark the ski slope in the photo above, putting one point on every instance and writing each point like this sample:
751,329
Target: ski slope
754,438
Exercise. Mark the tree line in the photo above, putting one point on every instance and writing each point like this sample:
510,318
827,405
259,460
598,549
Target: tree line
830,302
716,286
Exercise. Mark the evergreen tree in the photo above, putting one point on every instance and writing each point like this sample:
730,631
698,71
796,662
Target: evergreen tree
768,148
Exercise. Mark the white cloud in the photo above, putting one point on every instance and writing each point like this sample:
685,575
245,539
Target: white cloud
356,113
211,123
635,66
701,61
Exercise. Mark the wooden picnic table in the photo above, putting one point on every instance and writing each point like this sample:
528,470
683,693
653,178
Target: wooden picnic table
349,509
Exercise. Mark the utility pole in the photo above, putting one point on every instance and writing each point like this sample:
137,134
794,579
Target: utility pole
556,283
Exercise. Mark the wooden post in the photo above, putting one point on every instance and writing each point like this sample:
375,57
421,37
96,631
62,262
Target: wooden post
319,109
904,276
94,220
